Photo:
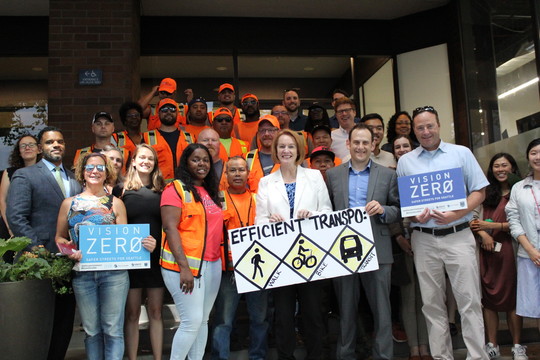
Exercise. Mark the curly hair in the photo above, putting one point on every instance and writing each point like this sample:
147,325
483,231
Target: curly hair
391,128
210,182
15,158
110,173
494,189
133,181
125,107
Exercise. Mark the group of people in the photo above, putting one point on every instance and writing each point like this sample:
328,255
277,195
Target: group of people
196,174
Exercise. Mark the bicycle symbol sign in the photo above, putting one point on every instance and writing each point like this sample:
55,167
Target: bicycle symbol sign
304,256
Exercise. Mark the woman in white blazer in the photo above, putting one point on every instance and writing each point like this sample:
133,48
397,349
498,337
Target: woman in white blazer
294,192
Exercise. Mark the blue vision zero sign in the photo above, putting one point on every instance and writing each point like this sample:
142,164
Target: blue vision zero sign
90,77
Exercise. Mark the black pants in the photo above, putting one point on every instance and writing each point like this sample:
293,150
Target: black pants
309,297
64,314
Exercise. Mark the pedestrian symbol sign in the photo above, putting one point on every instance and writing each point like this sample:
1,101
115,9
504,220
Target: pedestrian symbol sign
257,265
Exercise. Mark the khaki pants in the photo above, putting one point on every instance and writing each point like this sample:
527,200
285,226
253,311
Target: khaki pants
455,254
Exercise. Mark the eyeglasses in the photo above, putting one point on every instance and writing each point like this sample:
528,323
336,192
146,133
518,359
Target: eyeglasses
344,111
133,116
27,145
403,123
249,102
167,108
90,168
222,119
270,131
278,113
165,93
421,109
373,127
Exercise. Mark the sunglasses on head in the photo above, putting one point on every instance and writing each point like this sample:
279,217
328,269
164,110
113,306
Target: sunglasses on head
422,109
90,168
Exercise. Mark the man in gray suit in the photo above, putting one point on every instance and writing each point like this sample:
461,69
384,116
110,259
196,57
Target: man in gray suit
34,199
362,182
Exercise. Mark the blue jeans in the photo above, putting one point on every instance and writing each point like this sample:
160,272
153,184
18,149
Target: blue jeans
194,310
101,299
225,311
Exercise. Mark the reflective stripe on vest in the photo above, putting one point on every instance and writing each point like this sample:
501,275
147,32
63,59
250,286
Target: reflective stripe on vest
249,159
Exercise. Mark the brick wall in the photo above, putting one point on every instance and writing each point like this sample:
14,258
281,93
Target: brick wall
97,34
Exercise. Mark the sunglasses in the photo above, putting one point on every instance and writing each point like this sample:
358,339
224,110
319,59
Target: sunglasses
222,119
167,108
422,109
249,102
90,168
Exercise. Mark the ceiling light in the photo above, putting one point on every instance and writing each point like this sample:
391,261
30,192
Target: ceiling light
518,88
37,68
221,68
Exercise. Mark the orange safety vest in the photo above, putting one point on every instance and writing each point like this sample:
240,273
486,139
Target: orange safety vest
193,230
238,147
231,221
255,169
246,130
90,149
166,162
194,130
123,141
153,121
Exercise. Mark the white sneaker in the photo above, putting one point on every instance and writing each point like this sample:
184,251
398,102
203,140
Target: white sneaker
519,352
492,350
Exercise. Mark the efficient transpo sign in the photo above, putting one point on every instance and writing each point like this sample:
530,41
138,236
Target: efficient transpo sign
324,246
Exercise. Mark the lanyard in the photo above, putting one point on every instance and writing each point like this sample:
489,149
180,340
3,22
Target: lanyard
236,209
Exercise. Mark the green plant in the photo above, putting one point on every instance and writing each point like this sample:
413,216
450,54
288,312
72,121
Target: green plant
38,263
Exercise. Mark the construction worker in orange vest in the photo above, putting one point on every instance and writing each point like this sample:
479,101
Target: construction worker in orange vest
165,90
197,118
226,97
168,140
210,138
230,146
131,117
238,211
260,161
247,128
103,129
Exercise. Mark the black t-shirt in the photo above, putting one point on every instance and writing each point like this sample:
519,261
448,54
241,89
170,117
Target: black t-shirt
172,139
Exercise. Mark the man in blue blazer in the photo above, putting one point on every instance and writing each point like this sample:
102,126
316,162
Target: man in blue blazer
34,198
362,182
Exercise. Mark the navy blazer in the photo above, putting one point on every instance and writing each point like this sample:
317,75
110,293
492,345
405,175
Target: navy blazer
33,202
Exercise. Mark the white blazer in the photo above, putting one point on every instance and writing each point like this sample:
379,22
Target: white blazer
311,194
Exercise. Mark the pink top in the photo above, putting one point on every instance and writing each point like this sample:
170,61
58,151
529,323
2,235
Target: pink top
214,219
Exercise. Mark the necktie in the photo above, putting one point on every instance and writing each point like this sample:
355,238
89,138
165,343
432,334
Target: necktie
58,176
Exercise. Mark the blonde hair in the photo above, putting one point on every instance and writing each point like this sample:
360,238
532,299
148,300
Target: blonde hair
110,173
300,151
133,181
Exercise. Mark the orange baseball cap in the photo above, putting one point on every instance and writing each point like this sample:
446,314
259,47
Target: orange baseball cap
225,86
223,111
168,85
249,96
271,119
166,102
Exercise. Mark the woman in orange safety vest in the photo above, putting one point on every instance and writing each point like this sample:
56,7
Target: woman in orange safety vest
190,253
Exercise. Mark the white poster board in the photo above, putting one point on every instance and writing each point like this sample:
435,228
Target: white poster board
325,246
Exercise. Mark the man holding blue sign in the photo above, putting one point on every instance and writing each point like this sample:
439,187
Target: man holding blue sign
442,240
